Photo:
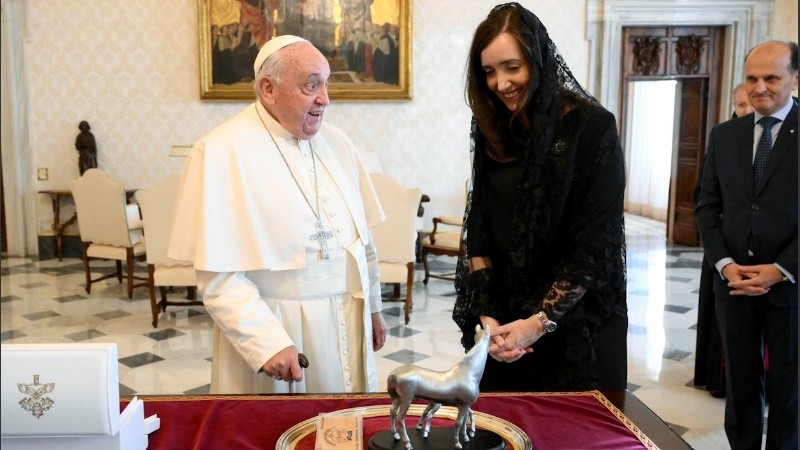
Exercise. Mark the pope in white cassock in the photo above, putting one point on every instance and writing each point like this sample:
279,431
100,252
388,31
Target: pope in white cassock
275,210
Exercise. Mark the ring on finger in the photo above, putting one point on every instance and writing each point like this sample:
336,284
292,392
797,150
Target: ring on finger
277,377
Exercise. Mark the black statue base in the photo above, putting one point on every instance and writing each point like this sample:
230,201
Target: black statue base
439,438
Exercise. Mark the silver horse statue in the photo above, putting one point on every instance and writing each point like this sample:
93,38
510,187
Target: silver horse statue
457,386
426,418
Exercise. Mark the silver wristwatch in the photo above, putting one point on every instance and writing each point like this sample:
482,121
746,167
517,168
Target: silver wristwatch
549,325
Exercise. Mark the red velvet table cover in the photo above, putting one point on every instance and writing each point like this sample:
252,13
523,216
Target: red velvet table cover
576,420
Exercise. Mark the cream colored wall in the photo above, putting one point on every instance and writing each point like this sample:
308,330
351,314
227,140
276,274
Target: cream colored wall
784,24
130,68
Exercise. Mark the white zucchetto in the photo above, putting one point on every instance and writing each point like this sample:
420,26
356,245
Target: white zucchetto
272,46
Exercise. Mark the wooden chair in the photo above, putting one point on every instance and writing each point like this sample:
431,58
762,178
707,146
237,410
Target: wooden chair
110,228
395,239
445,242
158,204
444,239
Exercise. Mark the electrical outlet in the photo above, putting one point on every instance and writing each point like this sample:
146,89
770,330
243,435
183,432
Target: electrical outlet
41,174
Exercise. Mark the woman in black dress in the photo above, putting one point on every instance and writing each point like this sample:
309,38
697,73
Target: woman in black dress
544,261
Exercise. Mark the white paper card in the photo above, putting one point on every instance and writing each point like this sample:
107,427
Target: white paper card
59,390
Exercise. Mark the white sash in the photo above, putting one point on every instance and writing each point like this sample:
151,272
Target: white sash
319,279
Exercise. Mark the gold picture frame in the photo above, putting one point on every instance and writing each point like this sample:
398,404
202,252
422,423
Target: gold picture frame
366,65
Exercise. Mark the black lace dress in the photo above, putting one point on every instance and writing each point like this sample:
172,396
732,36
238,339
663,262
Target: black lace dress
552,224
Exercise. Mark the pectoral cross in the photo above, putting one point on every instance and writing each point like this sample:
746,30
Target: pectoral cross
322,236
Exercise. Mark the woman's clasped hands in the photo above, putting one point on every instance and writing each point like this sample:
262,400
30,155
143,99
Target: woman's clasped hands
513,340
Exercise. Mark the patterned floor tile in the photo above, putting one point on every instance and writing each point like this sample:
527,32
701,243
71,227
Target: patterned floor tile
69,298
164,334
407,356
402,331
40,315
676,309
84,335
140,360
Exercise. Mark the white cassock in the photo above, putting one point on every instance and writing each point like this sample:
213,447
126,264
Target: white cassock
244,222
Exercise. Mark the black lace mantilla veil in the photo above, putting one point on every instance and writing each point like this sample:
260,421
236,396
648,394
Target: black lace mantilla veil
539,275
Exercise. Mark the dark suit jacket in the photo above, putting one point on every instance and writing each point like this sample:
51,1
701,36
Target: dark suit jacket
733,219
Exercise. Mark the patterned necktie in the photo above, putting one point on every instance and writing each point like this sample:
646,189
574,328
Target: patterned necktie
763,149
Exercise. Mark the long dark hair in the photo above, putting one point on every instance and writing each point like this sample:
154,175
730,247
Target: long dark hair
528,133
550,92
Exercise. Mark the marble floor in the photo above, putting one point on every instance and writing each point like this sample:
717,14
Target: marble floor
45,301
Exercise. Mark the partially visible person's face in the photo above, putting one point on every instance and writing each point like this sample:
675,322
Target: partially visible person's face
768,79
507,72
299,99
741,105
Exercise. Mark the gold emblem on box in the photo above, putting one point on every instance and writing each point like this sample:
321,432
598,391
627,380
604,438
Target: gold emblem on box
36,402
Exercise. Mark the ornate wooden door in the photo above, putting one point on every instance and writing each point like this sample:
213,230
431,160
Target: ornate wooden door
693,57
681,227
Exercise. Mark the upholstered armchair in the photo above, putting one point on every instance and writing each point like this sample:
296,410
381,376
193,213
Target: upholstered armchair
395,239
110,228
158,204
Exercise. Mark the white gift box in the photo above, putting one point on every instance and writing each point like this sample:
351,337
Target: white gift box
59,389
66,396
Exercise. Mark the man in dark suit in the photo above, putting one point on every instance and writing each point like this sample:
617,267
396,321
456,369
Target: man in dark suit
747,216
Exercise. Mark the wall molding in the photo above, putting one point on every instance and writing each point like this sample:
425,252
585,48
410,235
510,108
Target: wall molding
746,23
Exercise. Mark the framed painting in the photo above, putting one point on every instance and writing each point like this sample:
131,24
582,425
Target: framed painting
366,42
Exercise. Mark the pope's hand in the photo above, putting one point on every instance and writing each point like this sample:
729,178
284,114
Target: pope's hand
379,329
284,365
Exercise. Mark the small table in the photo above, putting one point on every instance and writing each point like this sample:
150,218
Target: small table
58,227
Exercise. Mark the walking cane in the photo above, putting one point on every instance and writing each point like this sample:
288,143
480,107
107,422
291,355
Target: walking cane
303,360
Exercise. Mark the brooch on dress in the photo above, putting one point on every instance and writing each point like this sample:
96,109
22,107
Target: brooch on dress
559,147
